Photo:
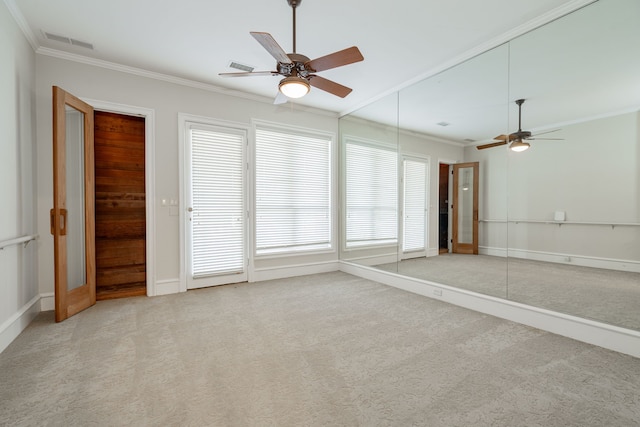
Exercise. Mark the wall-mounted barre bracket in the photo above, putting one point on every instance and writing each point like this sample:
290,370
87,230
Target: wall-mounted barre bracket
24,240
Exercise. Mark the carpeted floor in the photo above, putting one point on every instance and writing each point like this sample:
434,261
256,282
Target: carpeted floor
322,350
607,296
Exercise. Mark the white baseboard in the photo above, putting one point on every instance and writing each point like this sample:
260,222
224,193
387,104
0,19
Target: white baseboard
14,325
166,287
47,302
486,250
569,259
601,334
375,259
283,272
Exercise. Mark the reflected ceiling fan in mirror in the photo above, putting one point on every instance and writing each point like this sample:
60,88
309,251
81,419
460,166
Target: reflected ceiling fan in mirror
298,70
518,139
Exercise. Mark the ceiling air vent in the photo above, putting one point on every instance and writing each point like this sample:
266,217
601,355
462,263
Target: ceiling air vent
81,44
67,40
469,140
241,67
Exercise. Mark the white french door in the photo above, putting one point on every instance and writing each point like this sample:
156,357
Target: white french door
414,211
215,167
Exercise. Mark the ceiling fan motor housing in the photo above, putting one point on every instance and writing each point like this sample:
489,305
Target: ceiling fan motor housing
296,67
521,134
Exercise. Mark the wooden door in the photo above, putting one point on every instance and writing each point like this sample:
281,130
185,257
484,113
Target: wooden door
465,208
72,216
120,205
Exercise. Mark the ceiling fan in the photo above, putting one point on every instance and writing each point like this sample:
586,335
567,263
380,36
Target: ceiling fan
298,70
518,139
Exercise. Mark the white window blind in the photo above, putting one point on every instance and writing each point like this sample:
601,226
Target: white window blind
293,191
415,205
218,216
371,195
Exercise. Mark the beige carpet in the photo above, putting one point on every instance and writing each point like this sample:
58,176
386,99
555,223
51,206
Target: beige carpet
321,350
607,296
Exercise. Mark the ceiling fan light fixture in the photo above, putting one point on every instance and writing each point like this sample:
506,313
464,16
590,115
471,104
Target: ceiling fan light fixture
518,145
294,87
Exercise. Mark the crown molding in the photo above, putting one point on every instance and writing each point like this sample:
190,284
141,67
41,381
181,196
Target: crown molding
171,79
22,23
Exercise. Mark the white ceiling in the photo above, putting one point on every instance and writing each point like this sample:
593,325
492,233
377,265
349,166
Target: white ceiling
567,70
196,39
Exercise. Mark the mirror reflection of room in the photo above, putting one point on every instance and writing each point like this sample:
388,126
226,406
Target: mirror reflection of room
558,223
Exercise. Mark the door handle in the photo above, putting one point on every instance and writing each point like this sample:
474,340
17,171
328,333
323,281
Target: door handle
189,209
63,221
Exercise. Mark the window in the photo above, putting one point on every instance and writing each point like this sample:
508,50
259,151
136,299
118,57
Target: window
293,190
371,194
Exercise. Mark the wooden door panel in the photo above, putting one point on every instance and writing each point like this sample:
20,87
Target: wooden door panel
120,206
121,274
73,185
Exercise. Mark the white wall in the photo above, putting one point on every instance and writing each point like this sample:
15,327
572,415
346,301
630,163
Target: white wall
591,175
19,297
167,99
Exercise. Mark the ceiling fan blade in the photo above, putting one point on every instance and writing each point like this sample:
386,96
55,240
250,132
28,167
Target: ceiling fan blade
281,98
272,46
549,131
249,74
329,86
336,59
492,144
501,137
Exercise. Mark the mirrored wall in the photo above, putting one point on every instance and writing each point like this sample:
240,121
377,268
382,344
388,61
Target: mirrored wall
556,226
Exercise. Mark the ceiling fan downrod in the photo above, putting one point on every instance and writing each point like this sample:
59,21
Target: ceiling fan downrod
519,102
294,4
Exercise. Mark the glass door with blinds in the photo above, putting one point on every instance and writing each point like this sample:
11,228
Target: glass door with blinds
216,249
414,210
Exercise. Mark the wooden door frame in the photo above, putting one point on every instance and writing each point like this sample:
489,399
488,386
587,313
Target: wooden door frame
153,288
465,248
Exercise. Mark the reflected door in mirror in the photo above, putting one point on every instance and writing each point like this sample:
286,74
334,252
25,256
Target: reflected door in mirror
465,208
